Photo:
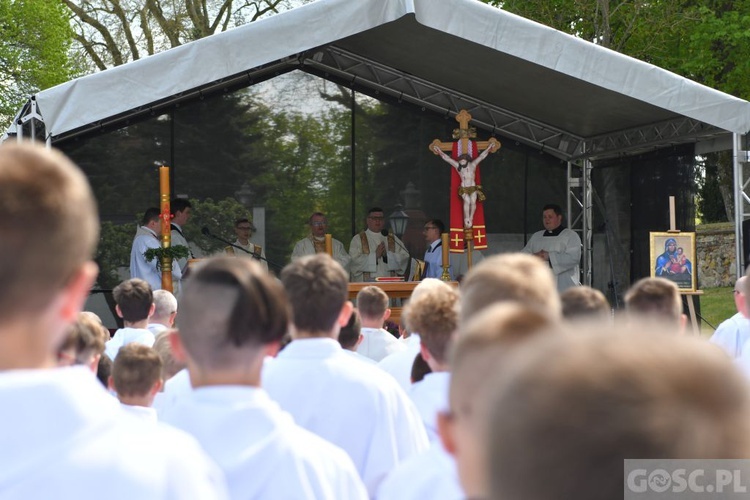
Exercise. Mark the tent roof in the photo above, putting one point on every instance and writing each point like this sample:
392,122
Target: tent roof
518,78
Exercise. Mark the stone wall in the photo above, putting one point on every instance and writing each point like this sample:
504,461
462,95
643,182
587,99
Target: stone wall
716,258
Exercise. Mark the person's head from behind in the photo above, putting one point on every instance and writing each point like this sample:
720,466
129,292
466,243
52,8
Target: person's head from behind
350,335
45,203
84,343
583,303
372,304
232,314
152,219
433,314
656,299
163,347
181,211
579,406
511,277
419,369
318,288
134,300
165,308
136,374
742,295
485,343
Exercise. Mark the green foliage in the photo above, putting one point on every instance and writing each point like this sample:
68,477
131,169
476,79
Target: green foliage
717,305
35,38
219,217
174,252
710,202
113,252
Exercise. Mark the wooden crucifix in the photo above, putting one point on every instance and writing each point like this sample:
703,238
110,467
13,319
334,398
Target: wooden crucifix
467,223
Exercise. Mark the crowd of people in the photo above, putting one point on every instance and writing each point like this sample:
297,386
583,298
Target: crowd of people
252,386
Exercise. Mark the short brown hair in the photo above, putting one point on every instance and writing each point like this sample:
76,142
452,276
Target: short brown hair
317,287
372,302
86,336
45,203
229,305
163,347
507,277
135,370
134,298
655,298
579,406
433,314
584,302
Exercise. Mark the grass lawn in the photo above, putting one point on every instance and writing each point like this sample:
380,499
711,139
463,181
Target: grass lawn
717,304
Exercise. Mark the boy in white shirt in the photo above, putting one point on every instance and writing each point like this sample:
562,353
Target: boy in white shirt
46,203
136,378
135,305
233,313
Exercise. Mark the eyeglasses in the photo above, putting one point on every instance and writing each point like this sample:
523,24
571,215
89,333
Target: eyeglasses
318,224
427,228
244,228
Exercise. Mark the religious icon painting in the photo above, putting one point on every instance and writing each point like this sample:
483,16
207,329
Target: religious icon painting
673,257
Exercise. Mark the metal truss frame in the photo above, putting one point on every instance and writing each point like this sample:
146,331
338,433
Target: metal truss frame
337,64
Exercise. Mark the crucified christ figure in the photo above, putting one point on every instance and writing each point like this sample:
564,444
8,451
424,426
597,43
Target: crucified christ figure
466,168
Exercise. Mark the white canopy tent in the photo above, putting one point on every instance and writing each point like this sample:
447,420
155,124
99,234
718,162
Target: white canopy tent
570,98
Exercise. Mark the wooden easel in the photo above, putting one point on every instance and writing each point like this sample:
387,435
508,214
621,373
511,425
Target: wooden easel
694,323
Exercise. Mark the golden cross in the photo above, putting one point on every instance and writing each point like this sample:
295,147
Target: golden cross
456,239
479,236
463,133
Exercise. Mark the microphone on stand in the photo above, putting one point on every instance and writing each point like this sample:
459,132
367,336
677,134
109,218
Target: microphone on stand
384,232
206,232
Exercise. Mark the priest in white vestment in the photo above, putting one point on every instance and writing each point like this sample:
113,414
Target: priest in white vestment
147,237
375,254
559,246
353,405
233,314
315,242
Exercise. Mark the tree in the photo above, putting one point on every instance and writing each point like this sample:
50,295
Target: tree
704,40
35,37
114,32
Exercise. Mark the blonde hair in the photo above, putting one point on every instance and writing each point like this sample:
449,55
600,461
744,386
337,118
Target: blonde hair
433,314
513,277
656,298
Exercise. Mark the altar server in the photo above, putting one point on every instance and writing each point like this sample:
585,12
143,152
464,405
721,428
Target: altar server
434,314
558,246
356,406
63,436
234,314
